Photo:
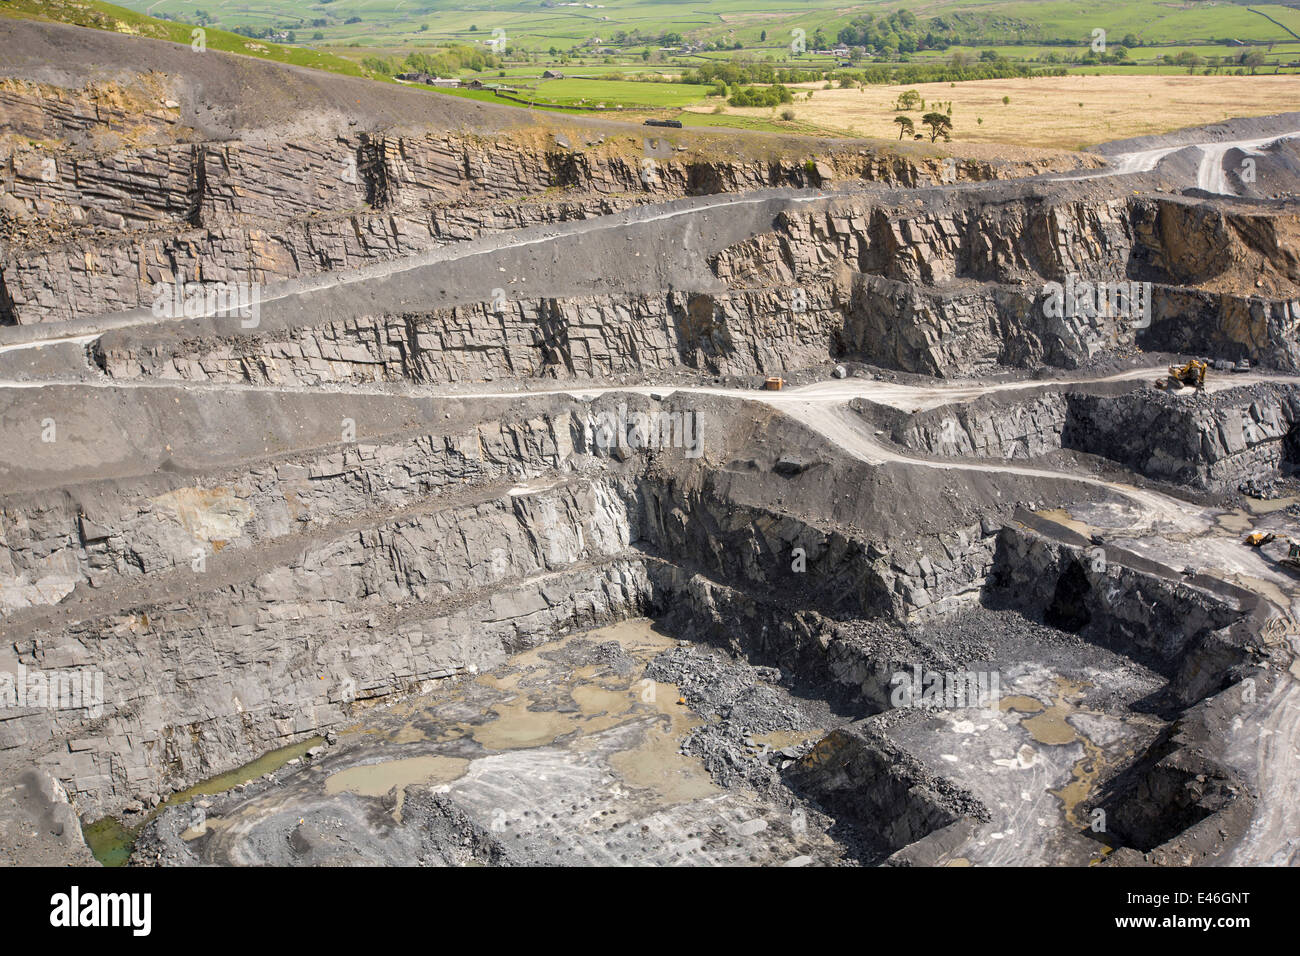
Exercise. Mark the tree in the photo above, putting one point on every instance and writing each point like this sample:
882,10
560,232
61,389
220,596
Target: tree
1188,59
939,123
909,100
762,36
905,124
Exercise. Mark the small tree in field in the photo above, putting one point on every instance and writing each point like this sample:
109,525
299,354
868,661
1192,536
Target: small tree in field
939,123
909,101
905,124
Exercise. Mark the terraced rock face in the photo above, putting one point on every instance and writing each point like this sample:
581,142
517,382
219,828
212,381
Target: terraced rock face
480,479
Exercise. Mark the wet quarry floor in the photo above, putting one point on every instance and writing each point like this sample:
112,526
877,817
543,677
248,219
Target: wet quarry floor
567,754
574,753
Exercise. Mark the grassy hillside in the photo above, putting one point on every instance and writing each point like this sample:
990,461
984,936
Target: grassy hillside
106,16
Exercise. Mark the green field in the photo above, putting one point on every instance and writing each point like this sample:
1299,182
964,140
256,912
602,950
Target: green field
618,93
530,27
627,35
610,53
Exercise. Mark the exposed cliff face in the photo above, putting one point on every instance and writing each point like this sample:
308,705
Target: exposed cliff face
1225,325
1087,589
837,574
1217,441
50,545
1220,250
265,604
111,192
588,337
1028,428
285,648
957,287
1211,441
882,789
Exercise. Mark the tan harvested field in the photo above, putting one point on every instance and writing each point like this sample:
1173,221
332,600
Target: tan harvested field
1064,112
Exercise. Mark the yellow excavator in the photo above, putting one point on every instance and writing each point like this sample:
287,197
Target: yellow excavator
1260,538
1193,374
1292,559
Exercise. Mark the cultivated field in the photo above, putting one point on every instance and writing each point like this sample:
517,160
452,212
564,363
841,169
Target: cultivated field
565,24
1066,112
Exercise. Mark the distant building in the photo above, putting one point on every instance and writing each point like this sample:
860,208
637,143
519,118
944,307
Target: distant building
428,79
552,75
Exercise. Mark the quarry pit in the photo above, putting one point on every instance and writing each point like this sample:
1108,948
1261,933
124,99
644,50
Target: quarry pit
500,505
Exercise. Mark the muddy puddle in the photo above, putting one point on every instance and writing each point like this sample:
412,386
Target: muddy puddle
567,694
111,840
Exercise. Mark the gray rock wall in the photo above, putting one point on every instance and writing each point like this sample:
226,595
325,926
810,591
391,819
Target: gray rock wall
1180,629
984,429
587,337
954,288
48,545
842,577
89,278
195,688
1210,441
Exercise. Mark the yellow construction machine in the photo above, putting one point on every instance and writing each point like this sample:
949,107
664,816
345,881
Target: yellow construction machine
1193,374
